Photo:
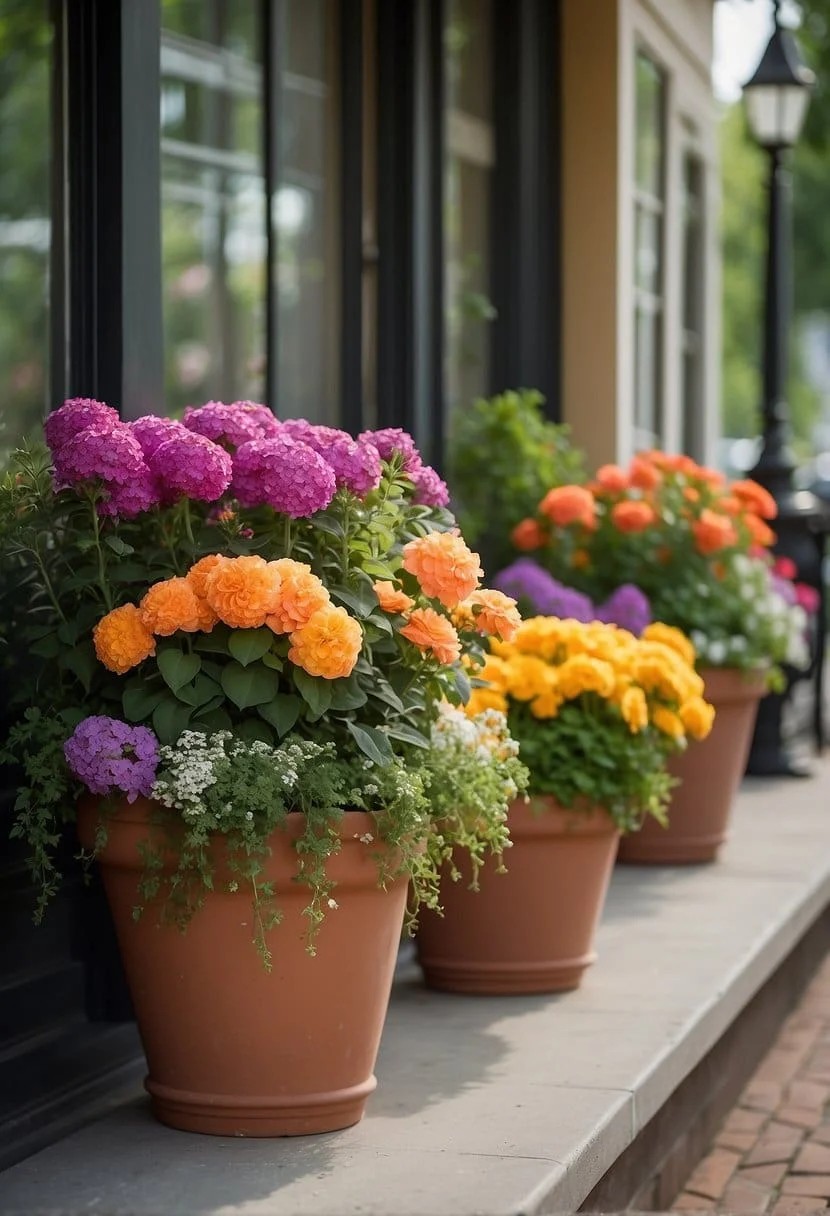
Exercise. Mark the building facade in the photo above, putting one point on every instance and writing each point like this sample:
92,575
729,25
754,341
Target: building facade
363,212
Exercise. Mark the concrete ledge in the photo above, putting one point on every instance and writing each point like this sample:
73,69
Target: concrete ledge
510,1105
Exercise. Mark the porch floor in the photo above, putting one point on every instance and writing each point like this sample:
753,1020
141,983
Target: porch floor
495,1106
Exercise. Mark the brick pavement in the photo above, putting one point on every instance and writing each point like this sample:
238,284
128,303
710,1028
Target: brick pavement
772,1154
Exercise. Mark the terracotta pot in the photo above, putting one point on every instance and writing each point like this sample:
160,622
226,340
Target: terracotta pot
231,1049
531,929
710,773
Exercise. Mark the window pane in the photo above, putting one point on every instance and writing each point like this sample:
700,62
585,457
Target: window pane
693,285
25,226
468,178
648,250
214,246
649,127
647,363
306,212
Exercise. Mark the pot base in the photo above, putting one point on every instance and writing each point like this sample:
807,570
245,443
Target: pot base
504,978
225,1115
680,851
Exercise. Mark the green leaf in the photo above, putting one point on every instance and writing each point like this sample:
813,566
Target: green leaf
46,648
248,686
408,734
384,692
199,691
282,712
170,718
248,645
273,660
348,694
372,742
216,719
252,729
118,546
362,599
139,701
128,572
215,642
378,569
323,523
82,662
178,669
462,683
381,623
315,691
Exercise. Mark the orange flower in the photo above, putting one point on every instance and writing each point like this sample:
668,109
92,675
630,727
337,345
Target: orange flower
444,567
691,494
756,498
492,613
730,504
301,595
431,632
612,478
243,591
170,605
713,532
122,640
643,474
761,533
581,559
328,645
197,575
391,598
569,505
528,535
633,516
709,477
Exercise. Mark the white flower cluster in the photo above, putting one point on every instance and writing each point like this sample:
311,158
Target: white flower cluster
191,767
769,622
486,734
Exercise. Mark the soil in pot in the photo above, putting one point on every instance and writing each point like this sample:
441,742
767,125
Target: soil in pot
233,1050
709,773
531,929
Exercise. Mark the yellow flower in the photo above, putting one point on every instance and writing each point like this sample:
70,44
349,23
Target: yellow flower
483,698
697,717
668,722
527,677
634,709
675,639
546,705
585,674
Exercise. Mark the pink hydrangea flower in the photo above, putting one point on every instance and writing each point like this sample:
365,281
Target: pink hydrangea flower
391,440
284,474
151,431
430,489
100,453
76,415
233,424
191,466
356,464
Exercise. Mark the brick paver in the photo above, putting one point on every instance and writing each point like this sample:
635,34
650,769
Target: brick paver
771,1157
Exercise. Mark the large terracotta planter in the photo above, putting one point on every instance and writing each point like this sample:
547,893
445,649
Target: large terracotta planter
710,773
531,929
231,1049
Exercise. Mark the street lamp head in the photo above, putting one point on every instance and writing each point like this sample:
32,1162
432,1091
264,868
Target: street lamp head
778,94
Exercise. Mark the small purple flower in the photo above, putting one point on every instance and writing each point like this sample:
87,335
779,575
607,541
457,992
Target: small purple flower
391,440
284,474
525,580
783,587
192,466
151,431
231,424
627,607
108,755
76,415
430,489
100,453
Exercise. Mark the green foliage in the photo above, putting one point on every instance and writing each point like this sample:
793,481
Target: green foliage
504,455
587,756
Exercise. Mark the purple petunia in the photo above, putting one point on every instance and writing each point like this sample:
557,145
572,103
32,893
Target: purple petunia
284,474
233,424
190,465
525,580
627,607
430,489
391,440
108,755
76,415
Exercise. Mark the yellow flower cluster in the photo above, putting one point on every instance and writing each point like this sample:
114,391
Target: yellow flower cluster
649,680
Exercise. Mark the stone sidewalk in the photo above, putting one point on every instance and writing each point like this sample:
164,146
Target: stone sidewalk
772,1154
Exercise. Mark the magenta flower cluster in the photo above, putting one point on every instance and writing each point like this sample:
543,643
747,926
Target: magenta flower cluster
293,466
109,756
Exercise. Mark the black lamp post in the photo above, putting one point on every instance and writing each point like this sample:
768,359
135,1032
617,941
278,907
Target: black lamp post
777,98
